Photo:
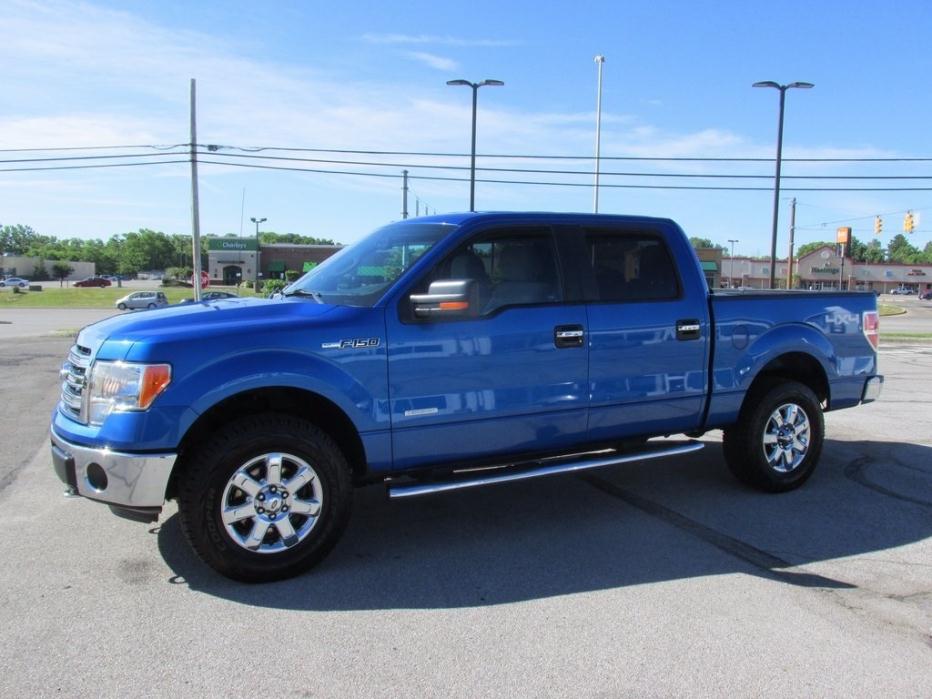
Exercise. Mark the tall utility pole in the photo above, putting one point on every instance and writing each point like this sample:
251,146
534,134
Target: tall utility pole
404,194
731,276
600,60
472,166
776,179
789,258
257,221
195,211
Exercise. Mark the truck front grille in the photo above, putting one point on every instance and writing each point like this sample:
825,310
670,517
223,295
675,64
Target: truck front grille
74,377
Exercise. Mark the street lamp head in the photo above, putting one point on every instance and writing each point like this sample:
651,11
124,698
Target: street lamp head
257,220
459,82
491,83
600,58
778,86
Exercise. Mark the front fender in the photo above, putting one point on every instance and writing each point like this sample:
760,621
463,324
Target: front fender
359,395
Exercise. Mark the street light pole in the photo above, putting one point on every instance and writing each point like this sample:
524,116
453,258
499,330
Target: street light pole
472,166
731,276
257,221
600,59
776,179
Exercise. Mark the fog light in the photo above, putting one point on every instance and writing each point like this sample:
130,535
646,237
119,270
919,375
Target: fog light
97,477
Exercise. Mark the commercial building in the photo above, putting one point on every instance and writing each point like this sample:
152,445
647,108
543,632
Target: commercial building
17,266
711,261
824,268
234,260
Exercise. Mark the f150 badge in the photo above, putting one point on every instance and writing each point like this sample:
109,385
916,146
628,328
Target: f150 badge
358,343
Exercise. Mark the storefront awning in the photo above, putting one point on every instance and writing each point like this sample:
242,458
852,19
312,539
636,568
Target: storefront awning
276,266
709,266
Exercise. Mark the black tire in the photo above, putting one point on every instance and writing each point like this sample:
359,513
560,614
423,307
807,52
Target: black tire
760,465
150,306
204,490
121,306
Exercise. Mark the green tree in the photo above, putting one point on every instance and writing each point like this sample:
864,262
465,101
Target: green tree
707,243
61,270
805,249
900,250
17,239
269,237
40,273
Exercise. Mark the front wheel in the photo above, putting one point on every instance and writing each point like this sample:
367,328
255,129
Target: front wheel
150,306
776,443
266,498
121,306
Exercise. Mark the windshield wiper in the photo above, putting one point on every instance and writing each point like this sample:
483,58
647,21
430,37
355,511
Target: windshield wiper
316,295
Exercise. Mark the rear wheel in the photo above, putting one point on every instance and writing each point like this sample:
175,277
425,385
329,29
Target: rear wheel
266,498
777,441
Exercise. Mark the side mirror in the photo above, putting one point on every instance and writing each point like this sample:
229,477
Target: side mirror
447,299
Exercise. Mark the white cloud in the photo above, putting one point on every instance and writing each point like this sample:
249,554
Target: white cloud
77,74
433,60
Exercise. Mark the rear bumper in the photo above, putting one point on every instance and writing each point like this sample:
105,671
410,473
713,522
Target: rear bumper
133,485
872,389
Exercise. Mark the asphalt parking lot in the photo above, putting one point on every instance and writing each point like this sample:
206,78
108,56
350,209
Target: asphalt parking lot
665,578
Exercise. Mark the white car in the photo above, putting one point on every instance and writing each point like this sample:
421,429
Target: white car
142,299
15,281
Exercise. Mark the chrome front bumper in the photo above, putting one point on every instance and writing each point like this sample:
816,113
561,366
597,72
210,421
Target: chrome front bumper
133,484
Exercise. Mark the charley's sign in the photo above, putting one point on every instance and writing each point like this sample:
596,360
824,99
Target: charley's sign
237,244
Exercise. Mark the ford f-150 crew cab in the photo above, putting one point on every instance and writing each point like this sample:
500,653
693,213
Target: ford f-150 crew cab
448,352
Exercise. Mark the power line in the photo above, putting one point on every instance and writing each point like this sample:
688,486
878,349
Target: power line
586,173
92,157
566,184
88,167
426,154
73,148
457,179
524,156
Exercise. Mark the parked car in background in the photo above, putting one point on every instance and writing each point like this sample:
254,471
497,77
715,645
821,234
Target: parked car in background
142,299
212,296
15,281
902,291
927,295
93,281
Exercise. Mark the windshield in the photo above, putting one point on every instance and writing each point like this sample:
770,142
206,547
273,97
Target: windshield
359,275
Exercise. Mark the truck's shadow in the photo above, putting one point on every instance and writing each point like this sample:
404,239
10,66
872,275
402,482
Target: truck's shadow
624,526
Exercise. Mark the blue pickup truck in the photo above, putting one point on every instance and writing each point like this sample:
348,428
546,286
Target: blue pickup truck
448,352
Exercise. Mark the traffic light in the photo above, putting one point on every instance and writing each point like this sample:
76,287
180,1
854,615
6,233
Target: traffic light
878,225
908,222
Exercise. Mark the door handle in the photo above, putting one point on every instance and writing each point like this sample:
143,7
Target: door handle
568,336
690,329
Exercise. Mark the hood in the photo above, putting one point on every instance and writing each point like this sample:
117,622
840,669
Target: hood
113,337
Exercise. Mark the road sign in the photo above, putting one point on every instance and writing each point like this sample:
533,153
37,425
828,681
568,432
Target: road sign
205,279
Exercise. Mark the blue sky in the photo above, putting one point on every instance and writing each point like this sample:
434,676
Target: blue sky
371,76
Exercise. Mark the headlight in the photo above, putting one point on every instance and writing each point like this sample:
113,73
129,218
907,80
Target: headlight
119,387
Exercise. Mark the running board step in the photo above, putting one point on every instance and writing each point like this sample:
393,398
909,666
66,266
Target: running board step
473,478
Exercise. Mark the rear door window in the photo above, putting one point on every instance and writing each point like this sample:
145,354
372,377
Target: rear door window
631,266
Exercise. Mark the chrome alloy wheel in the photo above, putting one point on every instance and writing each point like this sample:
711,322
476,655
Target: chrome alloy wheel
786,438
271,503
